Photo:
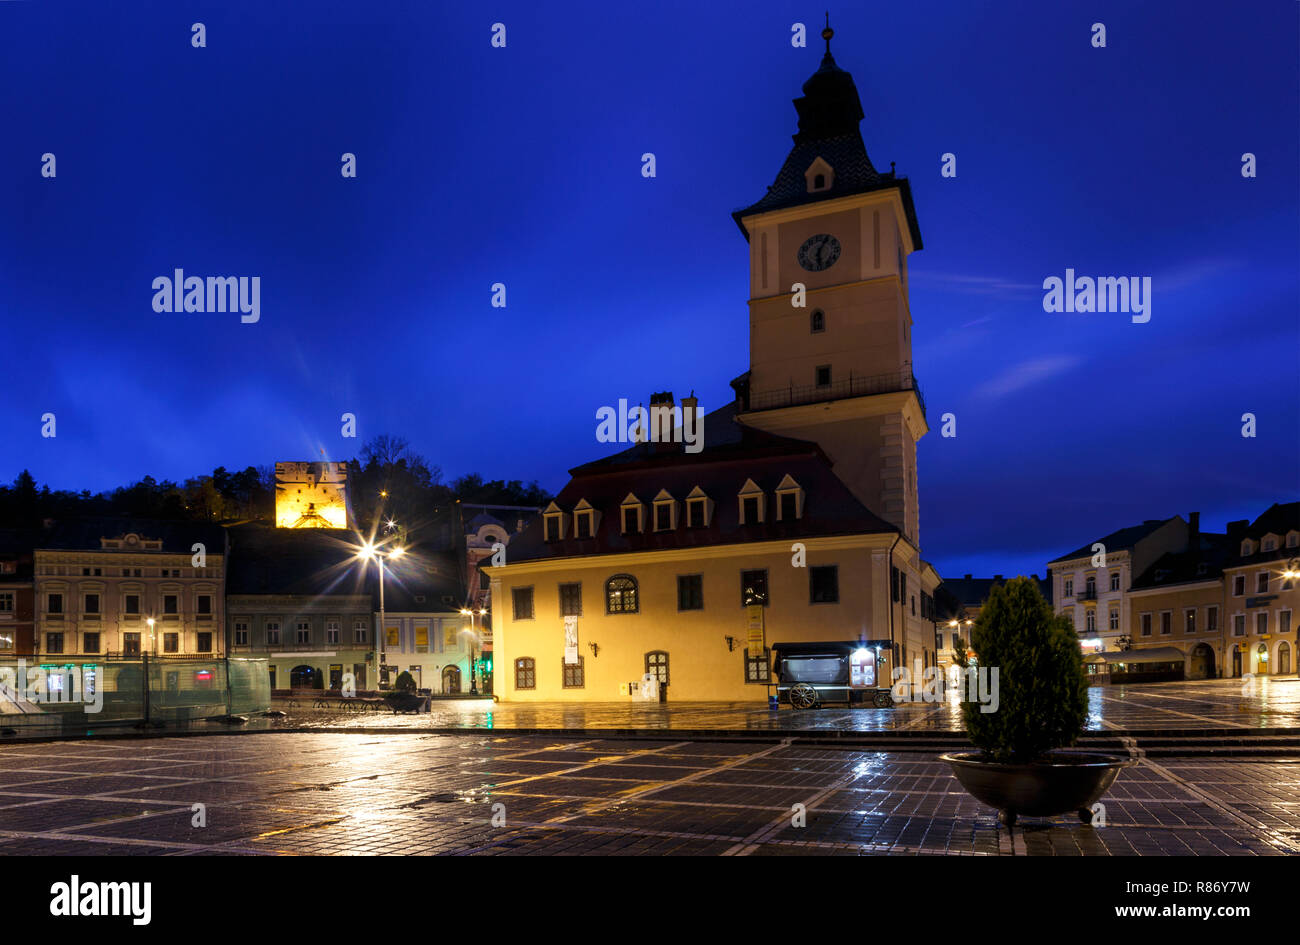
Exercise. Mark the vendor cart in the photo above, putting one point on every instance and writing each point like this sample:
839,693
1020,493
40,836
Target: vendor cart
809,675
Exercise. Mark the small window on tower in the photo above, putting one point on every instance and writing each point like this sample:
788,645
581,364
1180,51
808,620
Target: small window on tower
818,320
819,182
824,375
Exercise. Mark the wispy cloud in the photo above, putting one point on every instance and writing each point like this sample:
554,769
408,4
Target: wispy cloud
1026,373
989,286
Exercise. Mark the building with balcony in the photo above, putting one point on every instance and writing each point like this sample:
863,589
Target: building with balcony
1090,584
1261,591
797,520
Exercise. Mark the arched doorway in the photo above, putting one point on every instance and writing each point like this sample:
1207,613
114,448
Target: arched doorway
1202,662
1284,657
451,679
305,677
1261,660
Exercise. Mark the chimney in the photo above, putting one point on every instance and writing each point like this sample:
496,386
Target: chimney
1193,530
662,422
1236,528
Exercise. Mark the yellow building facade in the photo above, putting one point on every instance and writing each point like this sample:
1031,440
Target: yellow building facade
680,571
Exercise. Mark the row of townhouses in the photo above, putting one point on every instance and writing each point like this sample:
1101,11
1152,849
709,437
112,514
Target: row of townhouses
1173,601
302,598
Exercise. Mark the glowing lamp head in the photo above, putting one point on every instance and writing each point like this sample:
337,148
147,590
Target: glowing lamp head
397,552
367,551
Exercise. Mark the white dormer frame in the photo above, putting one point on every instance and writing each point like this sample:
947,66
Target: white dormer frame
749,491
1247,548
1293,538
819,166
788,486
553,513
593,517
698,497
664,498
630,501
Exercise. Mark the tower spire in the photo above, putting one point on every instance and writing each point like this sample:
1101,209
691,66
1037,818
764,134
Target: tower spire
828,33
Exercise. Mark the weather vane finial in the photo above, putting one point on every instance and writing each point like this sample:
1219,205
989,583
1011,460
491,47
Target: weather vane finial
828,32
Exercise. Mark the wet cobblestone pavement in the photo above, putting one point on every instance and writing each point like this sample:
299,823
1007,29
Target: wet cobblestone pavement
409,793
1228,704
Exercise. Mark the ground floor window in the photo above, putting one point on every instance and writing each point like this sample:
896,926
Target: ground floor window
1284,657
525,673
130,644
90,643
758,666
575,675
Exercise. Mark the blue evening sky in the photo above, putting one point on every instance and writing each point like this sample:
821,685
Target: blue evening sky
522,166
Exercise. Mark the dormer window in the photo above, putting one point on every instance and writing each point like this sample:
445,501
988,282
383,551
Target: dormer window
1269,543
751,504
1247,548
699,509
553,522
789,500
1293,539
584,520
819,176
665,512
630,515
817,321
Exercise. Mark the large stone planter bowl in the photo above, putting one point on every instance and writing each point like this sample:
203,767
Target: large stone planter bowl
1065,781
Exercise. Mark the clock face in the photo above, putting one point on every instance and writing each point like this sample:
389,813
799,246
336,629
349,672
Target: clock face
819,252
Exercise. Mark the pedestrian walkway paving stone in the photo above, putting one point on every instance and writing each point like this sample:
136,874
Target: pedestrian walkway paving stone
352,793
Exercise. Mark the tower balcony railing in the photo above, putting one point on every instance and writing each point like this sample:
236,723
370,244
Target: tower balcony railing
794,394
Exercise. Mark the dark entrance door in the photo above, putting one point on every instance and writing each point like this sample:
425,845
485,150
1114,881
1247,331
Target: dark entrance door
304,677
1236,661
451,680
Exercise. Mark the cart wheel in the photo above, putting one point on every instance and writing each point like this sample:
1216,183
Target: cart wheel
1008,818
1085,815
884,700
803,696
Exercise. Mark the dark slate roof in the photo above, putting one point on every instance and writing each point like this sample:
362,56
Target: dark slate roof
322,561
973,591
1278,519
1203,563
829,116
733,453
305,561
1123,539
177,537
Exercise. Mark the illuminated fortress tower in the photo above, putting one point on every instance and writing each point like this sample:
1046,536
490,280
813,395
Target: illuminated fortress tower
311,495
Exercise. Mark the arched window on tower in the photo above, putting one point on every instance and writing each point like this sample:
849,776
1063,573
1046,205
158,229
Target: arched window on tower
818,320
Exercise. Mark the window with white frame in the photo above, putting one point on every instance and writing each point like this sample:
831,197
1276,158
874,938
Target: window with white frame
584,520
241,633
1146,625
303,632
1114,618
665,511
1238,585
699,509
1211,619
331,631
1114,580
1238,625
360,631
1261,622
1166,622
6,602
630,515
1261,582
751,503
1189,620
1068,587
273,633
789,500
1090,620
1284,621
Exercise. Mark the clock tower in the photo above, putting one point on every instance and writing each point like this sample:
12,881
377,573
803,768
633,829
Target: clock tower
830,328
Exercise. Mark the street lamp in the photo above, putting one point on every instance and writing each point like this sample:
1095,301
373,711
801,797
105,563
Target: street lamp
153,637
369,552
473,662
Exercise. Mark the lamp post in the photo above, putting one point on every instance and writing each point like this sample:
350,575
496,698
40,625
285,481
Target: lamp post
369,552
153,637
473,636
